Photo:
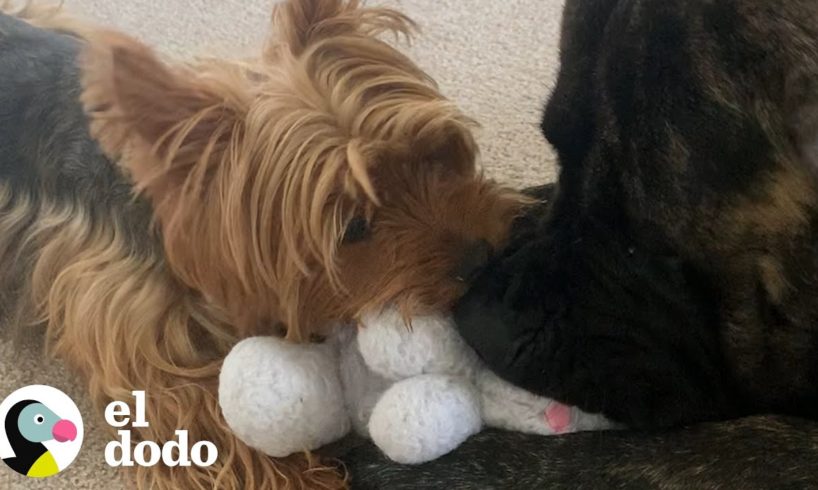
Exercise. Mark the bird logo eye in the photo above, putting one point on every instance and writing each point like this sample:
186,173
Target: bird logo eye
39,419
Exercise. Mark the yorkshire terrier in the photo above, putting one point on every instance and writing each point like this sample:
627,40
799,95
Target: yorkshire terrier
152,214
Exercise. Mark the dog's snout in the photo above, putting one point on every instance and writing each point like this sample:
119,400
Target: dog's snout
475,256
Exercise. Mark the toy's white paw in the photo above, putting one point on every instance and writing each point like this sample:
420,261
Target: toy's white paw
420,419
431,346
509,407
282,398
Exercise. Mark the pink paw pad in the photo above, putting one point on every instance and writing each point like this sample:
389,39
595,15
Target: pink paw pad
558,417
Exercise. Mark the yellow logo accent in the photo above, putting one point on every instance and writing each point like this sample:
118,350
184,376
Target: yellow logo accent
44,467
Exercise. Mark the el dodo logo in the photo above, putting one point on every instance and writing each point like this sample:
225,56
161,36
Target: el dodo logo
172,453
41,431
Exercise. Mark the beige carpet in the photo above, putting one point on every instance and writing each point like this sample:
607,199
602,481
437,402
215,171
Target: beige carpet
496,58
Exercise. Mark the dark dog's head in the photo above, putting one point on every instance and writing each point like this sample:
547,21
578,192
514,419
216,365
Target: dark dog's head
685,206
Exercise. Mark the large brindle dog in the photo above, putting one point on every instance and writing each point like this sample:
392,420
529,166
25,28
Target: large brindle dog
672,278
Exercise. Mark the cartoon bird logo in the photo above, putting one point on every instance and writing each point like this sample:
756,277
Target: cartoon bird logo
28,425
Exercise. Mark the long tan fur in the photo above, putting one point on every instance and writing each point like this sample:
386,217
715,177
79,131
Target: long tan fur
306,130
254,171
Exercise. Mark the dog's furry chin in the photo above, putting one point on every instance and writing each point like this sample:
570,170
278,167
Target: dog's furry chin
230,210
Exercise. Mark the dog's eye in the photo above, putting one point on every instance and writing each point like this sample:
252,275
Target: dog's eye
39,419
357,230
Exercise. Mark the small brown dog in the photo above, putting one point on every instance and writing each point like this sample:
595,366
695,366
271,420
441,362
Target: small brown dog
222,199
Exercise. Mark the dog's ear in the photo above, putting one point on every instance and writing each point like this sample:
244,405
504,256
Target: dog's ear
296,24
170,121
294,21
568,120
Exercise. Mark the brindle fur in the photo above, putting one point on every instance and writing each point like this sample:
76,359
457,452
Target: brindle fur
673,279
748,454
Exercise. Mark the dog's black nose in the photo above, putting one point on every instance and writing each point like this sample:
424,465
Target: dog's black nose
475,256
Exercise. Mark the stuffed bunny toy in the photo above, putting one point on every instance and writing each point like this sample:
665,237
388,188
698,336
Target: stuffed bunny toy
417,391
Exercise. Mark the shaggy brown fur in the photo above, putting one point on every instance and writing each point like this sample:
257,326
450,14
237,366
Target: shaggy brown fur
233,199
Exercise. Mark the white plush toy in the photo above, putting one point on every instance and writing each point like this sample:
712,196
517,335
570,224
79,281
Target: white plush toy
418,393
